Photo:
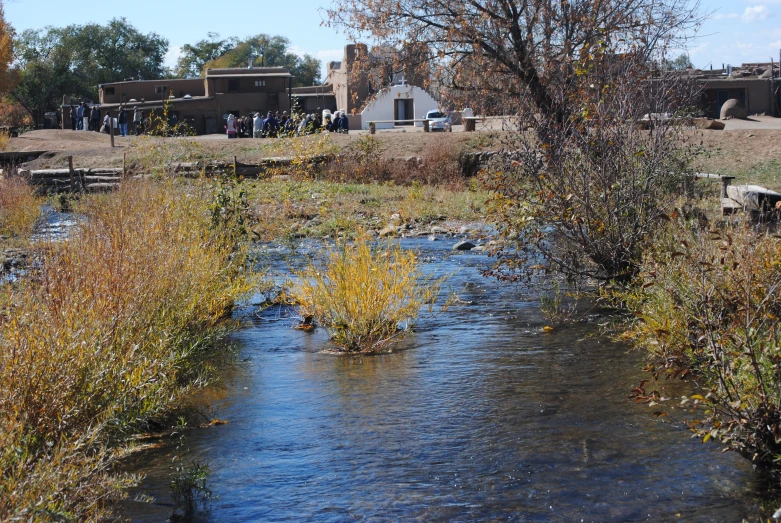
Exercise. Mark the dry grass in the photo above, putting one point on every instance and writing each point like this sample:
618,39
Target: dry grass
19,207
5,138
364,296
290,208
109,332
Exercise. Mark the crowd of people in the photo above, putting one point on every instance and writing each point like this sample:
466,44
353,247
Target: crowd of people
86,118
275,125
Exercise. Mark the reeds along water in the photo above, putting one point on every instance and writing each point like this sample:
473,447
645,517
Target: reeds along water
109,331
19,208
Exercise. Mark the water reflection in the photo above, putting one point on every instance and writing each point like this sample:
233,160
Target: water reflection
479,416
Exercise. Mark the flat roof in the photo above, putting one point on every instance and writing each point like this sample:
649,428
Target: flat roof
255,72
313,95
164,81
157,104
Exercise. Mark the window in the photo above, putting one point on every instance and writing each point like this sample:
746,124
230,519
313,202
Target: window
233,86
260,83
109,91
161,89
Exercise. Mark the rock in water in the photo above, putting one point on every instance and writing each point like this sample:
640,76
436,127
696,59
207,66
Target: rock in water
465,245
388,231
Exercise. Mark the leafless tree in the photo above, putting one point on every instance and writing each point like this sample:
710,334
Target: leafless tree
587,185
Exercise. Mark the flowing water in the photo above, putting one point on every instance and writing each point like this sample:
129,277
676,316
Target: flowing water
478,416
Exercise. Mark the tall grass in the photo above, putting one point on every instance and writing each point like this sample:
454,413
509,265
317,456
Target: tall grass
364,296
19,207
110,332
5,139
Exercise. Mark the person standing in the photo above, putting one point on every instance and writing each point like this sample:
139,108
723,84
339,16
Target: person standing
138,121
106,124
230,126
80,116
257,126
122,122
94,119
270,126
73,118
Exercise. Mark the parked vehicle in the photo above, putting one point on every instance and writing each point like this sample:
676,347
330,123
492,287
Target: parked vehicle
439,121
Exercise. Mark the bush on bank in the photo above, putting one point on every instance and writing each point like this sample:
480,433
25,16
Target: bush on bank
109,331
708,306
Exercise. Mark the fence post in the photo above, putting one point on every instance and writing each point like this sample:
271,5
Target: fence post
235,168
124,162
426,127
372,128
111,127
469,125
70,169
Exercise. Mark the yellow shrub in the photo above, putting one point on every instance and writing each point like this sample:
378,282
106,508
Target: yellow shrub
19,208
110,332
364,296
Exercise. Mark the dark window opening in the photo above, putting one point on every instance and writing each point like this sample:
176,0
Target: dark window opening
109,91
233,86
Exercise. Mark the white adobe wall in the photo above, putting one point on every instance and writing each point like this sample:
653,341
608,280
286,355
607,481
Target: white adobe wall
382,107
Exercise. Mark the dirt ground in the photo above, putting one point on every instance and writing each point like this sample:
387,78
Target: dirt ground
751,154
94,149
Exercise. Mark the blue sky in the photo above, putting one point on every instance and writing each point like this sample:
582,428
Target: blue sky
738,30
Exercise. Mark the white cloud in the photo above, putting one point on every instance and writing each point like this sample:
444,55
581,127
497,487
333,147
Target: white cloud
330,55
756,13
172,56
725,16
699,50
297,50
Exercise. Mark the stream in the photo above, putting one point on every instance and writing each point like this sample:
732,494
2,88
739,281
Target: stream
477,416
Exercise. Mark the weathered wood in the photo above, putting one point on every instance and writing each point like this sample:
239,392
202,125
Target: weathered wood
19,156
71,173
102,187
753,199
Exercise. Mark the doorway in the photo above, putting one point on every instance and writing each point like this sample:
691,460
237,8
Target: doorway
403,110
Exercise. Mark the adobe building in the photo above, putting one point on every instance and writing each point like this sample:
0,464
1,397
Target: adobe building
201,102
351,86
756,86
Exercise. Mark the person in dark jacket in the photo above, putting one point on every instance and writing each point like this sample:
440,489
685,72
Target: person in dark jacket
343,126
270,126
94,124
122,122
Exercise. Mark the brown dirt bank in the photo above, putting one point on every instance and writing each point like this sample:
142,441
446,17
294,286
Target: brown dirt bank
94,149
753,155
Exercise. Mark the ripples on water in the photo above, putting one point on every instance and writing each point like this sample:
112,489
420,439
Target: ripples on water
478,416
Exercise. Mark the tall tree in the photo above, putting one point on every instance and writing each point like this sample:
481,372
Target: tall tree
6,53
513,48
194,57
73,60
116,51
586,187
270,51
46,70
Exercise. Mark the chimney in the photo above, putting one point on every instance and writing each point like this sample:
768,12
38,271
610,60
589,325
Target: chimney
249,62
